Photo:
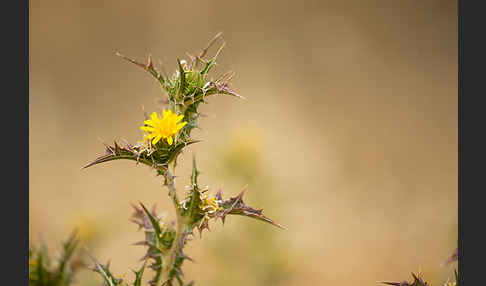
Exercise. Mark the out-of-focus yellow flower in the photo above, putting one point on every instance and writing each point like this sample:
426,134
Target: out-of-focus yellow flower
450,284
239,142
163,128
87,227
32,262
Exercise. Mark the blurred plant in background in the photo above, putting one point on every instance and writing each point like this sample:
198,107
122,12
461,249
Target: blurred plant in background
268,264
419,281
44,271
88,230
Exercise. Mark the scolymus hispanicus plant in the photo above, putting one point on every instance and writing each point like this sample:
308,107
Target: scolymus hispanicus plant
166,135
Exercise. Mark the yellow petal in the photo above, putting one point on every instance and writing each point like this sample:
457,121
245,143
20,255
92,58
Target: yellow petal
153,116
147,128
169,140
180,125
156,139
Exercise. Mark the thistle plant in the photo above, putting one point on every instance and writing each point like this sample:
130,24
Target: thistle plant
166,135
419,281
44,271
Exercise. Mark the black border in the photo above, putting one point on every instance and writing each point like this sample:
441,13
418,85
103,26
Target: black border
471,118
15,141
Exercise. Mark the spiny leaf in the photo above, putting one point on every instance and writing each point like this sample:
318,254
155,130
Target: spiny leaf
157,267
236,206
153,221
158,160
417,281
193,213
182,79
212,61
208,66
148,67
213,40
139,274
116,152
453,257
104,271
195,173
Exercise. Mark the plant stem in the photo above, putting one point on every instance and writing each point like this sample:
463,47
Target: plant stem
168,264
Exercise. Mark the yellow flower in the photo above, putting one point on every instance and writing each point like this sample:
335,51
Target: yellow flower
163,128
32,262
87,227
210,204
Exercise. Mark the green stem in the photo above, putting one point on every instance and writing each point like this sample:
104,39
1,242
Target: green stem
168,263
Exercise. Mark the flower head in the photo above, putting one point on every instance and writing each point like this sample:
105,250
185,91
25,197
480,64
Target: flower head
163,128
210,204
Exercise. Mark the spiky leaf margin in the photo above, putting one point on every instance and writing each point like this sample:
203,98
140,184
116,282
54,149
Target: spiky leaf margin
157,159
236,206
159,241
104,270
417,281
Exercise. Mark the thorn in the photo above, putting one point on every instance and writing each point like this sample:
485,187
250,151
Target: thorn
142,243
205,50
219,195
219,50
130,60
149,63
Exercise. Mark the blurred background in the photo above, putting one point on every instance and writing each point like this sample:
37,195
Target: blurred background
348,136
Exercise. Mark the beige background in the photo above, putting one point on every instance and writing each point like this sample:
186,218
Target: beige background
348,135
